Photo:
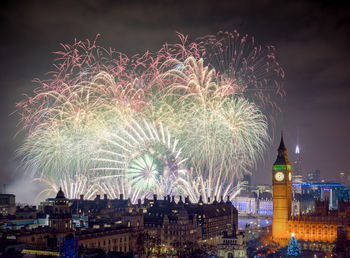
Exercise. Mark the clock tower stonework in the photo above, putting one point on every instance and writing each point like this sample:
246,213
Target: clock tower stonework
282,194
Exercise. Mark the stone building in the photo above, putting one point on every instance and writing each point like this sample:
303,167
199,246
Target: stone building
7,204
120,229
169,224
181,225
321,226
232,246
215,218
60,219
316,228
117,239
46,239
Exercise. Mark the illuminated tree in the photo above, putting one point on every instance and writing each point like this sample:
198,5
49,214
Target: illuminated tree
293,247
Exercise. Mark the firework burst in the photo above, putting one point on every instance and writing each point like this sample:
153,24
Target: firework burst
189,119
146,157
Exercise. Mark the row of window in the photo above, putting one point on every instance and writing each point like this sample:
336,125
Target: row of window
114,248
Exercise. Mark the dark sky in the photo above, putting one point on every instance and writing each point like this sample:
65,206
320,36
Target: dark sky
312,40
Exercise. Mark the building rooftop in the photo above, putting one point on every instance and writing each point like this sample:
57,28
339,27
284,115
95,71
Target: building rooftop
282,158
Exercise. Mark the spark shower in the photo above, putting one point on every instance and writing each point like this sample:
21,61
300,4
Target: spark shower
189,119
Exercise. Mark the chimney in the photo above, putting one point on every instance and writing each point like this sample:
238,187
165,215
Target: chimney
121,196
154,197
105,197
98,197
81,197
139,201
172,198
208,200
168,197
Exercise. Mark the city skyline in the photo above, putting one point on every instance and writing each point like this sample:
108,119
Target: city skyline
312,50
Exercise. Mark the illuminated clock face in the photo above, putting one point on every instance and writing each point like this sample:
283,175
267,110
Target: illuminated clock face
290,176
279,176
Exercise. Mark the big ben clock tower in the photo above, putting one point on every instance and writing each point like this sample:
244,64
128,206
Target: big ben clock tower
282,194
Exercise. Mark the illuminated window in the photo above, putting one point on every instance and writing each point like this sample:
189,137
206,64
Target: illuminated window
242,206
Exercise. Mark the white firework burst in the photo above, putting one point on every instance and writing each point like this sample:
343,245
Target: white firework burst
73,187
146,159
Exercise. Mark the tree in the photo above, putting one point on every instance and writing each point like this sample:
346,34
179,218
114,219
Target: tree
293,247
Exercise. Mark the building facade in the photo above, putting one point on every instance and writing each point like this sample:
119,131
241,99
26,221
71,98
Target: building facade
232,246
181,224
318,227
282,193
7,204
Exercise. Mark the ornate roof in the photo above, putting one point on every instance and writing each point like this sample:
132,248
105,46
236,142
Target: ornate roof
60,194
282,158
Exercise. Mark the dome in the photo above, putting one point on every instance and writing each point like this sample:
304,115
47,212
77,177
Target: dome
60,194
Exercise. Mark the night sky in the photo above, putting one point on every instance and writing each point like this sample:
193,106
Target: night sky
312,40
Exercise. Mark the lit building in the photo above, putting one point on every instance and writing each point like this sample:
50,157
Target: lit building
302,203
332,191
232,245
262,188
246,203
297,172
212,218
265,205
344,179
26,216
123,236
60,219
313,177
317,228
282,194
171,225
7,204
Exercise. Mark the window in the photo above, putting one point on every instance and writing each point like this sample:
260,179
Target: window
230,255
242,206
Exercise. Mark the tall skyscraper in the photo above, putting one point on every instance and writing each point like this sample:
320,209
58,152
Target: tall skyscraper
297,177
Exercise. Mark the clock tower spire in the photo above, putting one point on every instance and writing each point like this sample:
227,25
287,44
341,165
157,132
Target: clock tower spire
282,193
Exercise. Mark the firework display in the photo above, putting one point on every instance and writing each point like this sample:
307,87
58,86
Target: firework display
190,119
145,157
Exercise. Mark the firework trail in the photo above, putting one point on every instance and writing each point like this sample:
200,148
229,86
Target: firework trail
189,119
